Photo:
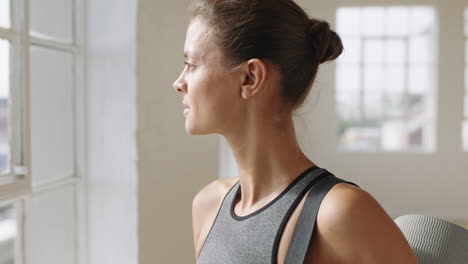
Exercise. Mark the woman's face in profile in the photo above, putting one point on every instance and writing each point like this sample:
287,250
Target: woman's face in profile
210,91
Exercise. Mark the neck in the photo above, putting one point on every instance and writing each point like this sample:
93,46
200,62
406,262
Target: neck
268,159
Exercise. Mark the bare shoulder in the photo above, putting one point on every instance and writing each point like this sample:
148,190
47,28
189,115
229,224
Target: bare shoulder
205,206
213,192
358,230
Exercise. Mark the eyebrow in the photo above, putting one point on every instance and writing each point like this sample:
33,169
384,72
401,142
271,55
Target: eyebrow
188,55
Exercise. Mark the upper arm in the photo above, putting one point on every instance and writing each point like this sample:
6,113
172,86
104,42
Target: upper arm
359,230
204,205
197,207
200,204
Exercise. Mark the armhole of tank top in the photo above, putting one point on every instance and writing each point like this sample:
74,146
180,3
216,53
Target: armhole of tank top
279,233
334,180
217,214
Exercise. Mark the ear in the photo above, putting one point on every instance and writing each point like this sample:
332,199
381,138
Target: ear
254,77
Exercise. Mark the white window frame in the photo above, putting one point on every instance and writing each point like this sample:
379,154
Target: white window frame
19,192
19,93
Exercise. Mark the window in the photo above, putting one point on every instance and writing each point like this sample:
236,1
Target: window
13,167
7,234
385,78
40,73
4,13
12,180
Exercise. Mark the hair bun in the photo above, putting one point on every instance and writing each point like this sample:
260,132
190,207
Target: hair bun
325,41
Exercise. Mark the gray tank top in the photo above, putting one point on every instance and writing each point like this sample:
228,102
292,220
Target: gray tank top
254,238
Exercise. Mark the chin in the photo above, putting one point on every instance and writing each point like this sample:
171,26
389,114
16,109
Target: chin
193,130
193,126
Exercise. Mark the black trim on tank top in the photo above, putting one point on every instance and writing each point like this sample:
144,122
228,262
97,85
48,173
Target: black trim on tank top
296,180
274,254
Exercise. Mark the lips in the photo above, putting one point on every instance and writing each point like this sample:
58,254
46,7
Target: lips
185,106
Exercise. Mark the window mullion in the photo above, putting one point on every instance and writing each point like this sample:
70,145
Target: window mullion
19,88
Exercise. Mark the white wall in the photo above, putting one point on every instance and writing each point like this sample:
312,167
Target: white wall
112,114
135,112
173,166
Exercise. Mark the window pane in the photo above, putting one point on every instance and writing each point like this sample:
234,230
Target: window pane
395,80
397,21
395,51
51,123
389,90
347,79
398,134
357,135
373,21
419,49
373,80
374,51
52,19
421,20
373,106
52,225
4,110
420,80
417,104
347,22
5,13
394,105
394,135
348,106
351,51
7,234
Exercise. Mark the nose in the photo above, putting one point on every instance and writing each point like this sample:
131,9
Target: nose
180,85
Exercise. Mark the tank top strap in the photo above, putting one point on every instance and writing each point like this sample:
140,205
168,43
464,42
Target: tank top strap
305,224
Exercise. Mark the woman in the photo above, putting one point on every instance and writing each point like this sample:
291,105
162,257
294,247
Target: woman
250,65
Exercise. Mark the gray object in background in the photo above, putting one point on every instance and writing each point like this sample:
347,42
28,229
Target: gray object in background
434,240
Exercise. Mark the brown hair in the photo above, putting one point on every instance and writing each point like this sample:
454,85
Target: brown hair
276,30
